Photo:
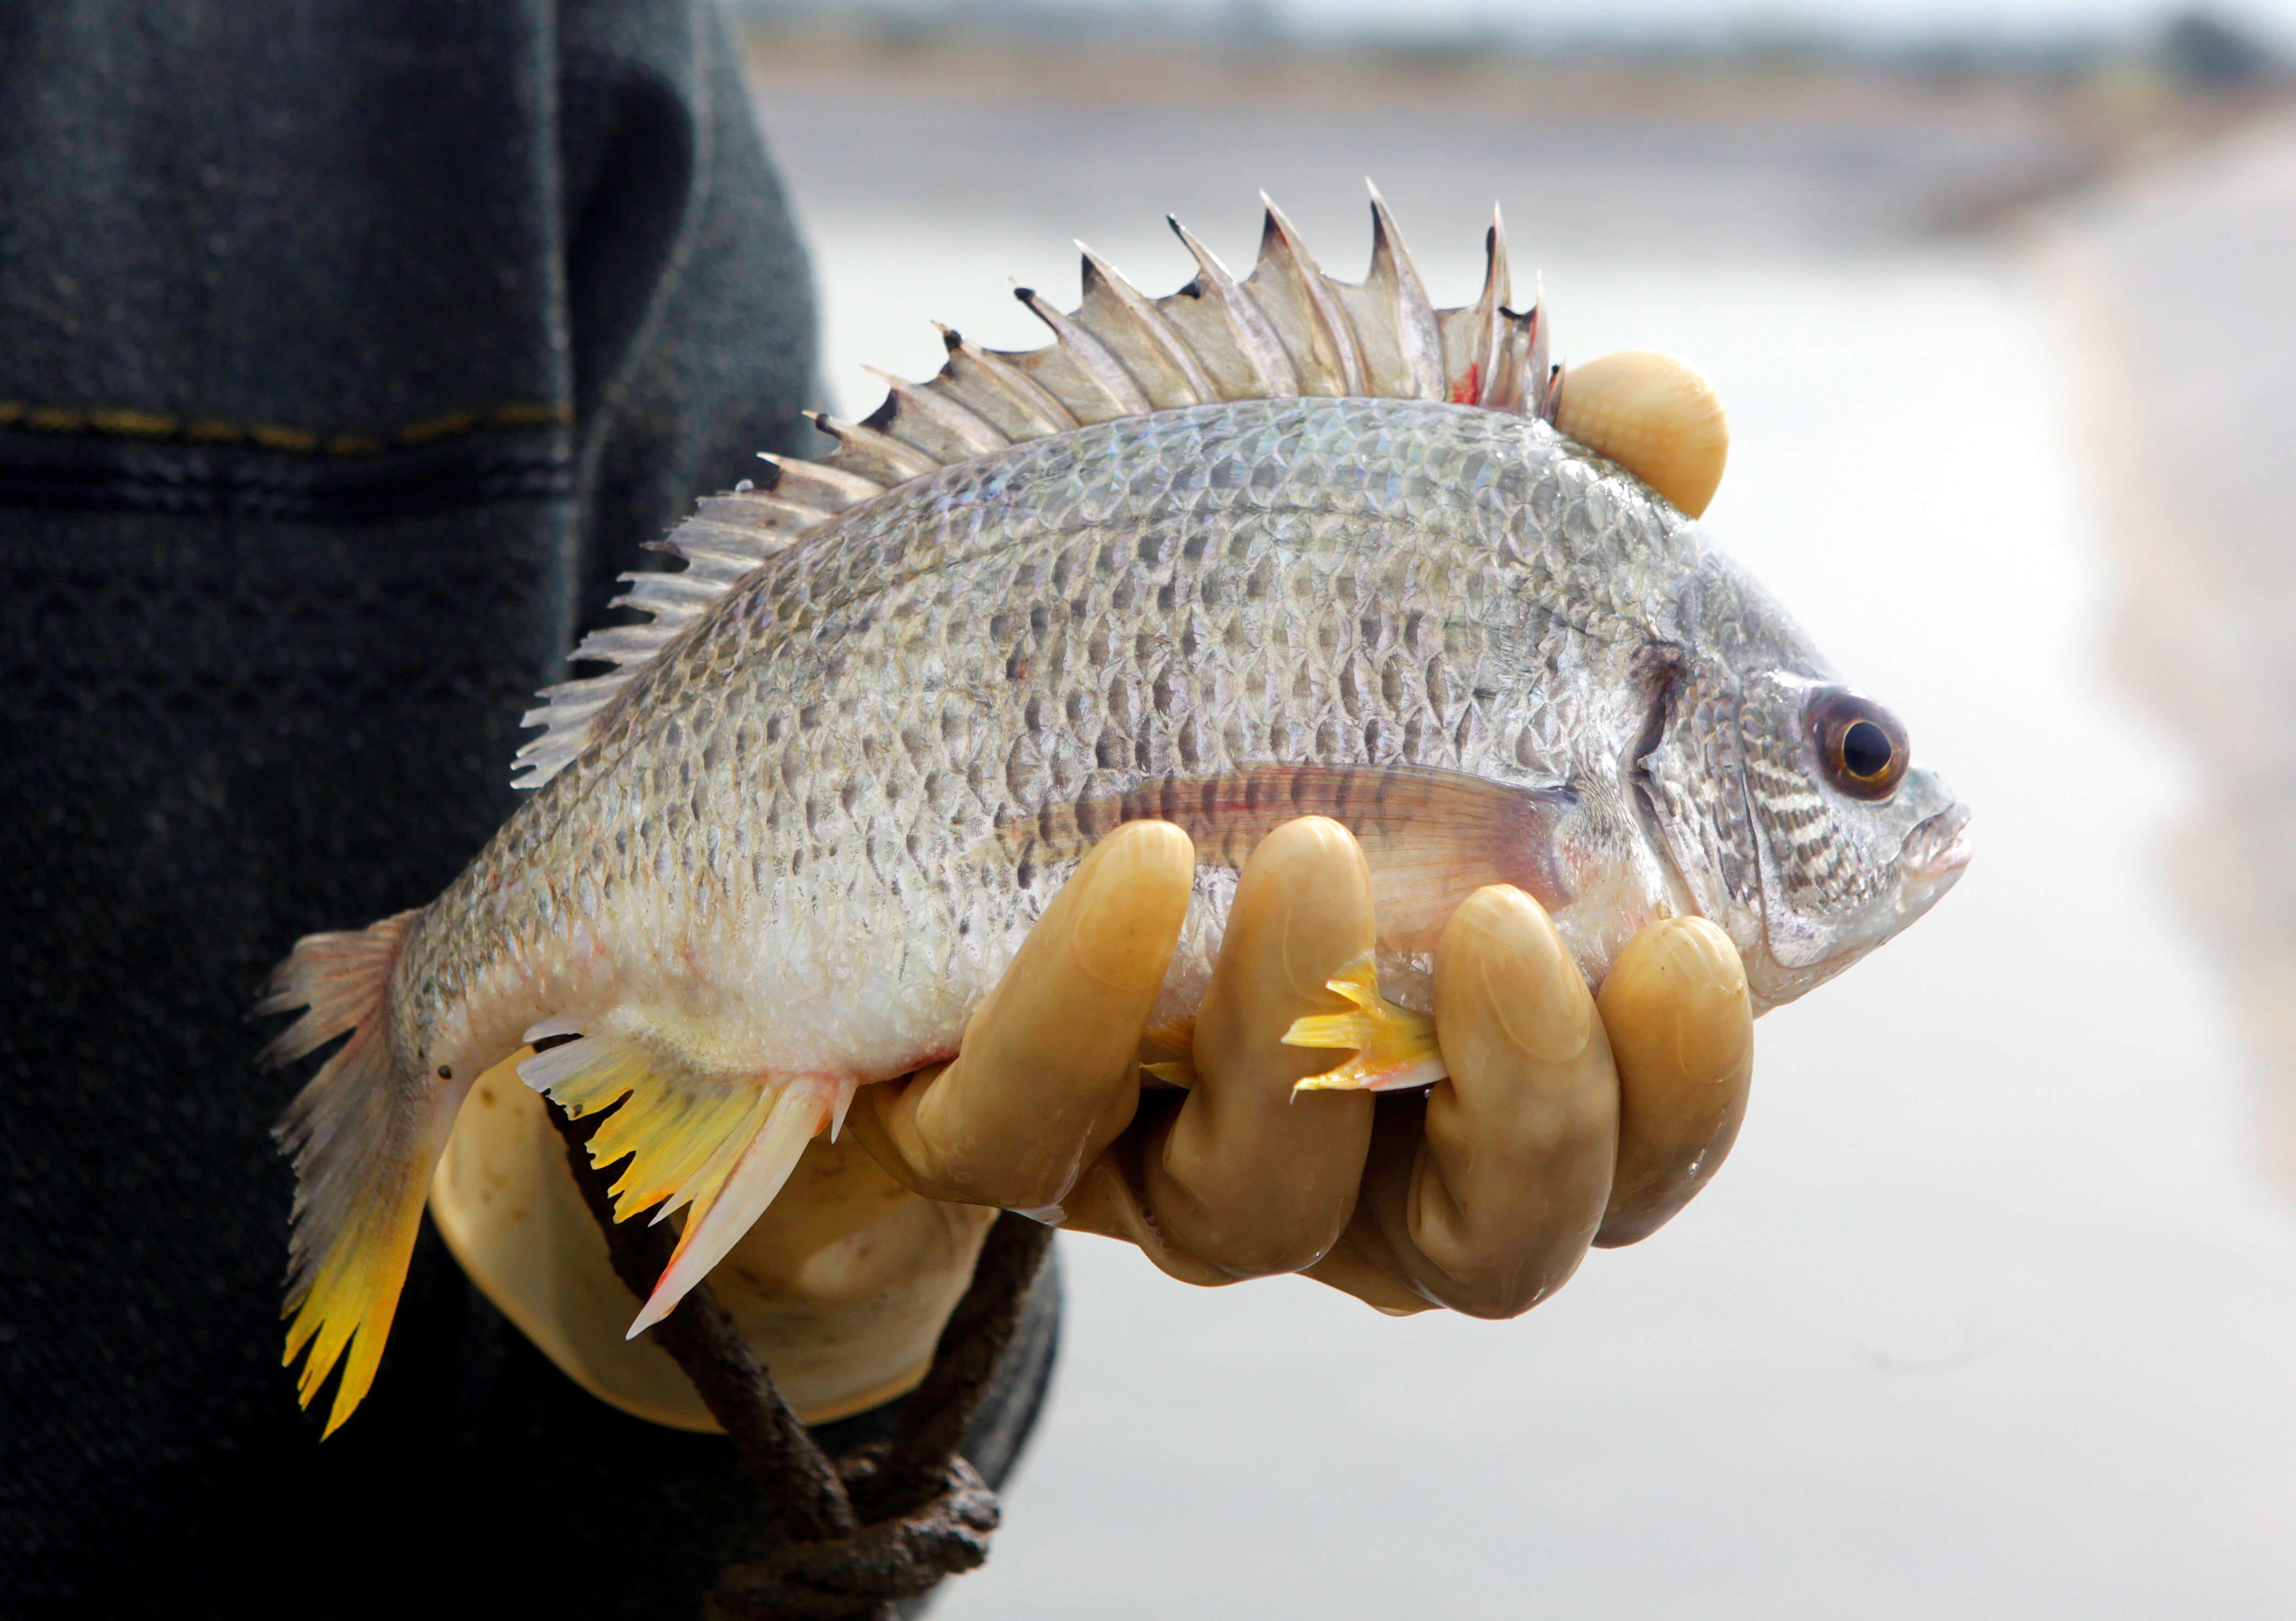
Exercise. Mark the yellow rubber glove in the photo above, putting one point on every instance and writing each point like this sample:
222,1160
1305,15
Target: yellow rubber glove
1567,1119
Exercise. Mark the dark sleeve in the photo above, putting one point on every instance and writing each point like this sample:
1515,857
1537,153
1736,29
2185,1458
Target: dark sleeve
347,351
689,302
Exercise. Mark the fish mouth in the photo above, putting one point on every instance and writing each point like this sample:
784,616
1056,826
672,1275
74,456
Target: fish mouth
1938,848
1930,861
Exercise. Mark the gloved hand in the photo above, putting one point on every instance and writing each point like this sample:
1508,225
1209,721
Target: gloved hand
1567,1119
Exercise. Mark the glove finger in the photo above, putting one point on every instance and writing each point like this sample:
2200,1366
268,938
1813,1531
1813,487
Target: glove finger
1047,1071
1248,1176
1494,1207
1682,1034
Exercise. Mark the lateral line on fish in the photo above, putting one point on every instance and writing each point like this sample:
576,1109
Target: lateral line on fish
1286,329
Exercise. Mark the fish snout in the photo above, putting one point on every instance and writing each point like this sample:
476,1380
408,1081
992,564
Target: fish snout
1939,846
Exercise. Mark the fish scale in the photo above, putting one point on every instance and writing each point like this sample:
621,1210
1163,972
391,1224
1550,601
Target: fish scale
1265,548
769,714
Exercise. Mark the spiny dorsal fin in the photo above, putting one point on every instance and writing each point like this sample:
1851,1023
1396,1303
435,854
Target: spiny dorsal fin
1286,329
728,536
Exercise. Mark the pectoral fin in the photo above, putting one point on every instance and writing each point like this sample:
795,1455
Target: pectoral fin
1432,837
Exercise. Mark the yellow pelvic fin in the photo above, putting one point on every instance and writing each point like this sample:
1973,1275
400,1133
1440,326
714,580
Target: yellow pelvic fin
1178,1038
1394,1047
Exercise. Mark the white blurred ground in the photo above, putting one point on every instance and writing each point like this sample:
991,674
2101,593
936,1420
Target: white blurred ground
1993,1311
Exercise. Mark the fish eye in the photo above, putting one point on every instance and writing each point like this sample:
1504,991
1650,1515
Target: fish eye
1860,745
1865,750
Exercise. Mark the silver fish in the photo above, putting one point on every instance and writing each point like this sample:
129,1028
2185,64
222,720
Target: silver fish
1258,550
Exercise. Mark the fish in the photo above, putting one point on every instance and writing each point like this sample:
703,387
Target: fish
1266,547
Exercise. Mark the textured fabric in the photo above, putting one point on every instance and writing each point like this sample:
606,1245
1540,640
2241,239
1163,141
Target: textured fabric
346,352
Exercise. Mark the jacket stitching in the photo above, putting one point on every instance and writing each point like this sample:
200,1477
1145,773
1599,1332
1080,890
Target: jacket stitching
207,430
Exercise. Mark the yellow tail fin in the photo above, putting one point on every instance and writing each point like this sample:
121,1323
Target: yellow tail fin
363,1136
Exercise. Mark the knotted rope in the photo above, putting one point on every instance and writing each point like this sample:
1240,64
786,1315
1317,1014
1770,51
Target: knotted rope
864,1531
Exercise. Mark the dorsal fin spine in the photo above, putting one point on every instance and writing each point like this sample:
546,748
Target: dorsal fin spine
1121,388
1034,405
1513,361
973,433
1416,333
1542,381
624,644
1287,328
1147,322
864,449
659,587
1280,246
1254,338
750,510
1490,309
816,485
580,698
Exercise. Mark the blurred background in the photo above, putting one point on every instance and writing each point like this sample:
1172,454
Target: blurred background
1994,1311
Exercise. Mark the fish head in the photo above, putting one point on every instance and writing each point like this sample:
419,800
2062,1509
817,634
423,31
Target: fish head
1855,838
1788,801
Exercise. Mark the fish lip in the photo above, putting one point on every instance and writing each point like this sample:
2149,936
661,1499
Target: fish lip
1939,846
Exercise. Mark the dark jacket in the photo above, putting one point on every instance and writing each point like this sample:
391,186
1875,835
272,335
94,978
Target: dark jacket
346,352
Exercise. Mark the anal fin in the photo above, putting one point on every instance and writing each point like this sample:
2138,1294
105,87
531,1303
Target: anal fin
1394,1047
718,1148
798,1109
